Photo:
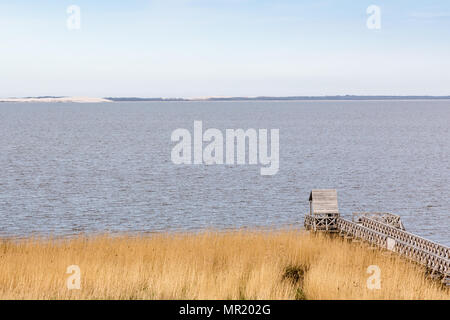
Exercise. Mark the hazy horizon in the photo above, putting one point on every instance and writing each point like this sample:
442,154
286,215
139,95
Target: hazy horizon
242,97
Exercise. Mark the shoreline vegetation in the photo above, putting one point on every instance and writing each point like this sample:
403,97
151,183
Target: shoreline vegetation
58,99
282,264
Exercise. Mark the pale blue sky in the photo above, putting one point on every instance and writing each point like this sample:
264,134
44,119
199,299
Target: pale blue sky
192,48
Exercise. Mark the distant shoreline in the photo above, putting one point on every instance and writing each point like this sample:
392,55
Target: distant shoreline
54,99
287,98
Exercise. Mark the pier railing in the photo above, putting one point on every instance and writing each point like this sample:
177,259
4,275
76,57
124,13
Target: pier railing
393,220
381,229
434,256
407,237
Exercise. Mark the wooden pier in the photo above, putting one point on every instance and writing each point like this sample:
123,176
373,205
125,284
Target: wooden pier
384,230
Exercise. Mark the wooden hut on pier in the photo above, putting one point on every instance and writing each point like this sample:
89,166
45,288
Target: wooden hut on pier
323,210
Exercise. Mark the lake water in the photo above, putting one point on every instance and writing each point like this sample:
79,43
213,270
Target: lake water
71,168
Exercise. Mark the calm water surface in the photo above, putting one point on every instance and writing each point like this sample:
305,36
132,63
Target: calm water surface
71,168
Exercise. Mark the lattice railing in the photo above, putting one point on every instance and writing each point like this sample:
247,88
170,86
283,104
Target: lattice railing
358,231
407,237
432,255
385,217
321,222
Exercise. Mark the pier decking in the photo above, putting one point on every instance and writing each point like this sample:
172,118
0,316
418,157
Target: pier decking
384,230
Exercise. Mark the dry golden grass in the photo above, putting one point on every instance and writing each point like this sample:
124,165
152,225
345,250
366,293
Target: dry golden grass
210,265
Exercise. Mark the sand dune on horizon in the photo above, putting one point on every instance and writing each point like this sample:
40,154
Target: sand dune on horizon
59,99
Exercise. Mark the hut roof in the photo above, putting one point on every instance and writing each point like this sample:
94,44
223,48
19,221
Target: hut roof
324,201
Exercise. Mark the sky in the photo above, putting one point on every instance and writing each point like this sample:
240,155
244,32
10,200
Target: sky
199,48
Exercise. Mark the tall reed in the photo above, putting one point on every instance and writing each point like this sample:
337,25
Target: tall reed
285,264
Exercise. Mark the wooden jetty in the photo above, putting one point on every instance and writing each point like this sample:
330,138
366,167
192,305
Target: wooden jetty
384,230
